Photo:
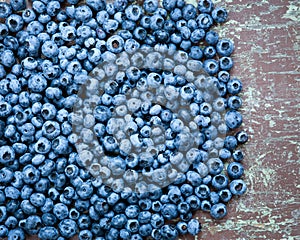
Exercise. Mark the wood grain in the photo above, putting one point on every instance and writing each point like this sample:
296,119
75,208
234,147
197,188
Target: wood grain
266,36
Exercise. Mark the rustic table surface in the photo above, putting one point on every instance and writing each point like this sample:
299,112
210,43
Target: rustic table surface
267,60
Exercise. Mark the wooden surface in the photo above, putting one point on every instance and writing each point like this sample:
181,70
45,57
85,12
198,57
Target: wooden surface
266,36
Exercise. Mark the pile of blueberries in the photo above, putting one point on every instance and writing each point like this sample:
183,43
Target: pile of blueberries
52,182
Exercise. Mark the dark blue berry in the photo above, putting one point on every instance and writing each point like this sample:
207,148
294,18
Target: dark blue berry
241,137
189,12
233,119
219,14
150,6
218,211
225,195
237,187
225,47
194,227
67,228
205,6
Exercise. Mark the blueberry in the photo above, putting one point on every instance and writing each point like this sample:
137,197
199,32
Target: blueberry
30,174
53,8
205,205
207,179
218,211
124,234
61,211
186,217
120,5
53,194
3,213
234,102
115,44
150,6
50,49
133,225
211,66
44,18
169,5
145,230
48,233
7,58
189,12
83,13
7,155
74,214
110,26
226,63
51,129
233,119
102,17
96,5
5,109
49,219
215,166
238,155
196,53
235,170
48,206
176,15
132,211
155,234
219,14
223,76
241,137
169,231
224,153
225,195
193,178
182,227
62,16
225,47
32,45
205,6
157,220
204,21
205,110
60,181
35,28
42,146
210,52
194,227
219,181
39,6
118,221
85,235
140,33
133,12
169,211
16,233
67,228
212,38
84,191
156,22
37,199
5,10
33,224
3,231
